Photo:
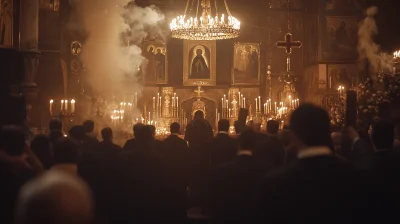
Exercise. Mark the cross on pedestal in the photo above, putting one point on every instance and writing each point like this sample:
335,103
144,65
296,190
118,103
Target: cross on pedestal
199,91
288,44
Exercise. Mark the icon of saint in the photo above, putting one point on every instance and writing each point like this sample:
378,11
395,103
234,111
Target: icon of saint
160,65
151,65
199,69
253,64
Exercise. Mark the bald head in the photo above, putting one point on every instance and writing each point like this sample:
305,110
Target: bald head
55,197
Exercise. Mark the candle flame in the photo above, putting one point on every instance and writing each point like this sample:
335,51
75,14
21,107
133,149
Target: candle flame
51,101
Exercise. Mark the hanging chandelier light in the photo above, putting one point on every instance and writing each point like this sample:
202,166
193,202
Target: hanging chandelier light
203,23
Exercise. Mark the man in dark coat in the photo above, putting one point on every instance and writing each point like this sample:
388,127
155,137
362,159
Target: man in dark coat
130,144
15,169
319,187
139,184
176,156
232,186
222,148
385,169
272,151
198,134
90,141
107,142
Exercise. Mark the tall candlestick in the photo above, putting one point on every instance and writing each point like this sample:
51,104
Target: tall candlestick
222,103
270,104
136,105
160,110
229,114
66,104
244,102
177,102
72,106
276,108
239,101
226,104
51,106
154,103
259,103
256,105
173,101
62,104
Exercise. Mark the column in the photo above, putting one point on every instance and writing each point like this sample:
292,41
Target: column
29,48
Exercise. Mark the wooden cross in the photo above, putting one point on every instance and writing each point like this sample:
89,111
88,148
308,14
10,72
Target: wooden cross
199,91
288,44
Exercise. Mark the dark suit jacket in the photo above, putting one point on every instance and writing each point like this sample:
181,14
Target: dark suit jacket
130,144
320,189
361,154
89,143
139,186
385,170
198,134
136,144
232,189
109,145
222,149
271,151
175,152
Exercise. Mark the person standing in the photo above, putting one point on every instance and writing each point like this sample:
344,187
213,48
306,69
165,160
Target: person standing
319,187
222,148
198,134
175,152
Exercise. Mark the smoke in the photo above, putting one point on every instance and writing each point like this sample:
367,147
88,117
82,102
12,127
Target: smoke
368,50
112,53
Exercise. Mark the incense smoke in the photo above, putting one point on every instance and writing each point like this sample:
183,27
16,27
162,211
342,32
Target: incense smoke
112,53
368,49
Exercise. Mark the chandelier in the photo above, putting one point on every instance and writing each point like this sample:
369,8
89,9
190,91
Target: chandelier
209,25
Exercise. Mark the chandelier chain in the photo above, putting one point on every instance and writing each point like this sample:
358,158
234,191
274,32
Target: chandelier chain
227,8
187,6
198,6
216,7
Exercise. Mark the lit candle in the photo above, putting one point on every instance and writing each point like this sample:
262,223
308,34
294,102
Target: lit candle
270,104
222,103
239,101
51,106
173,101
66,104
226,104
136,100
62,104
154,103
244,102
259,103
159,110
276,108
72,106
256,105
177,102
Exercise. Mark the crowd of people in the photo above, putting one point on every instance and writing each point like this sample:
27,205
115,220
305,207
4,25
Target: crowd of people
307,172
